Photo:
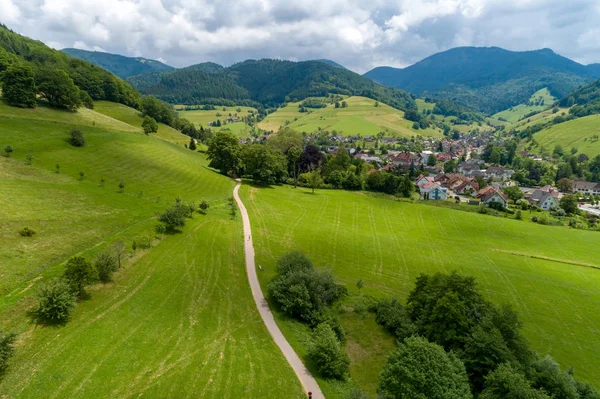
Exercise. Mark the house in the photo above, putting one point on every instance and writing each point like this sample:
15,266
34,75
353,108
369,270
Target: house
586,187
467,187
423,180
489,195
498,172
545,197
444,178
469,168
433,191
368,158
405,159
443,157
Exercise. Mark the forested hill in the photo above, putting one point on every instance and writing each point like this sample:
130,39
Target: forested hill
585,100
49,66
489,79
267,82
120,65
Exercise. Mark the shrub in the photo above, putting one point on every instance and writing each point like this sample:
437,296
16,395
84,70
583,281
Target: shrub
7,341
174,216
327,353
391,315
80,273
149,124
76,138
203,209
518,215
106,264
8,150
56,301
26,232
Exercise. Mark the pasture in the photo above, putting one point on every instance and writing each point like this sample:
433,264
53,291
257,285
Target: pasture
203,118
360,118
517,112
178,320
388,244
581,133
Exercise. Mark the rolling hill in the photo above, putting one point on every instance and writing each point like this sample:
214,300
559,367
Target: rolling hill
121,66
178,318
264,82
488,79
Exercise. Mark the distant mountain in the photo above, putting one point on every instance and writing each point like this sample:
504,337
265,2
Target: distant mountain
120,65
488,79
267,82
329,62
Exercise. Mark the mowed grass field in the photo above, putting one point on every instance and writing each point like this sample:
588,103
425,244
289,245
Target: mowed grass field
517,112
388,244
203,118
573,134
178,320
361,118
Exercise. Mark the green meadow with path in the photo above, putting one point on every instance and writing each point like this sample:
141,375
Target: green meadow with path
178,320
548,274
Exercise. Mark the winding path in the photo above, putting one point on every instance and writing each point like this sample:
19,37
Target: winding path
306,379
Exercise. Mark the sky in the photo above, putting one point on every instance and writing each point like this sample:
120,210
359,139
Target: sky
359,34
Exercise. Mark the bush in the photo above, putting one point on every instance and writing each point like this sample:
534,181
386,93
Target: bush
8,150
76,138
391,315
149,124
80,273
7,341
56,301
26,232
327,353
106,265
518,215
174,216
498,206
203,209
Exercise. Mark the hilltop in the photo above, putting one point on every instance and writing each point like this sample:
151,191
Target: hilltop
488,79
120,65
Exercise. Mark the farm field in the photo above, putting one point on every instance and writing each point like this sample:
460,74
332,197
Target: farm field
178,320
517,112
361,118
388,244
578,133
203,118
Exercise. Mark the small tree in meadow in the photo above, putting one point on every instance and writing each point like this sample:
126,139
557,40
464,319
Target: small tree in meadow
56,301
106,264
29,159
118,249
192,145
174,216
80,273
328,354
360,284
7,341
204,207
8,150
76,138
57,168
121,186
149,124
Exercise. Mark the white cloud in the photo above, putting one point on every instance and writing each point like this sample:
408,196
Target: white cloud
359,34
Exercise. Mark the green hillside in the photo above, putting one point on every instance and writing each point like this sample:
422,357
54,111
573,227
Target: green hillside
545,273
178,320
204,117
539,101
487,79
581,133
264,82
120,65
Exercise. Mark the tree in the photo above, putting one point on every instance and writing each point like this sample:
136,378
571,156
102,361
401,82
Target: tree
327,353
121,186
58,88
149,124
56,301
204,207
352,182
565,185
311,158
513,192
106,265
76,138
392,315
224,152
360,284
118,249
7,341
18,86
86,99
420,369
337,104
174,216
293,163
507,383
80,273
192,145
450,166
265,164
344,104
431,160
569,203
8,150
314,179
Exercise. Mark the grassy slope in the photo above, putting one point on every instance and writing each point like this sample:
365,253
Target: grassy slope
576,133
202,118
514,114
388,244
178,321
361,117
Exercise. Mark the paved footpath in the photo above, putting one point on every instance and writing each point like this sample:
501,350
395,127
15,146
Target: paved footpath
306,379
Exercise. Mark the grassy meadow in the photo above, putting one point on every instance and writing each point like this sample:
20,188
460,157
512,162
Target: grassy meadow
202,118
517,112
178,320
573,134
388,244
361,118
